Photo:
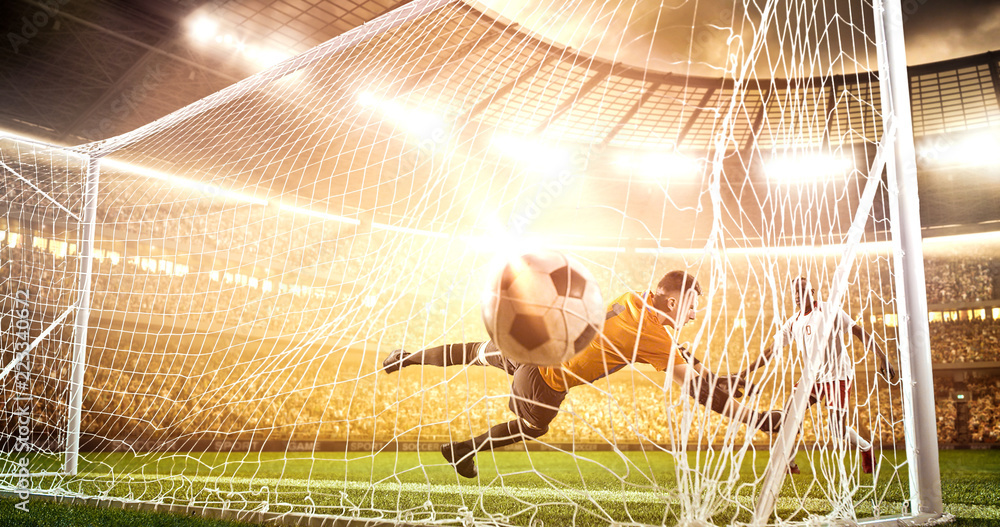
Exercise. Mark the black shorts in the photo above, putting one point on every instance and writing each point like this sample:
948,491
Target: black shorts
531,398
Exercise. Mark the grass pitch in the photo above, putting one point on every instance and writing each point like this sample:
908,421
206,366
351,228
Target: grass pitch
513,488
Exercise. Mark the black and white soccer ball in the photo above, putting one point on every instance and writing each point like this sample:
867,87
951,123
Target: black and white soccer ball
542,308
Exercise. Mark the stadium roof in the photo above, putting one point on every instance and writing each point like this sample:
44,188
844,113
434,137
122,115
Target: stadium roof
97,69
484,72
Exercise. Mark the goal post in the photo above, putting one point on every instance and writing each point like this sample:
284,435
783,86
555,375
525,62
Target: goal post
915,361
78,363
44,317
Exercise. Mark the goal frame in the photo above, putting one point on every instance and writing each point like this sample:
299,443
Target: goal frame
920,423
80,309
925,501
914,332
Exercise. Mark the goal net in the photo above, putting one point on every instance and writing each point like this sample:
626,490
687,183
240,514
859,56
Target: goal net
259,253
40,234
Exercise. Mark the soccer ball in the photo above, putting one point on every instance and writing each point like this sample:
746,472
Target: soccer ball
542,308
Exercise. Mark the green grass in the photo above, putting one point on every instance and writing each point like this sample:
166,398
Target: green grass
521,488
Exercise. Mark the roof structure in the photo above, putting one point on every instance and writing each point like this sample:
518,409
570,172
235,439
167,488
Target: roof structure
482,75
94,69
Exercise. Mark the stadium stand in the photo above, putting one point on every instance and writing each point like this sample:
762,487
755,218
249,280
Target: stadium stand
185,388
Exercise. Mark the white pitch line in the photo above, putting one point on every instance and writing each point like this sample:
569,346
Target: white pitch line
526,493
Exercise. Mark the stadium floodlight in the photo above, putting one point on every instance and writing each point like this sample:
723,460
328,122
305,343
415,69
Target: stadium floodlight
500,241
205,188
589,248
979,149
421,123
268,57
368,99
661,166
539,156
796,168
317,214
410,230
204,29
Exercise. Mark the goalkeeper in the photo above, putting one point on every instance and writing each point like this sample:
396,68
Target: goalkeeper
634,331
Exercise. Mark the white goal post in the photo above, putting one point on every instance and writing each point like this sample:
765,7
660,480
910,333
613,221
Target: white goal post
41,362
915,362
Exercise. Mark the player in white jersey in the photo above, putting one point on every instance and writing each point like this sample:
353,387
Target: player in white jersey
831,355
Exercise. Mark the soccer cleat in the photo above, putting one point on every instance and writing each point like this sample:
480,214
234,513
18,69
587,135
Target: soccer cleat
462,457
394,361
769,422
868,461
793,467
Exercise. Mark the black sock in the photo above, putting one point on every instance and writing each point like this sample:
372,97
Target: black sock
505,434
446,355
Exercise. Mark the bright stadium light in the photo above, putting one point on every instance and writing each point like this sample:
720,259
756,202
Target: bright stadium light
367,99
660,166
409,230
269,57
317,214
177,181
495,236
540,156
415,121
204,29
802,168
975,150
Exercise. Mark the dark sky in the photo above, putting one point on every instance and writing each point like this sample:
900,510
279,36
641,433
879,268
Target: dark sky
674,35
944,29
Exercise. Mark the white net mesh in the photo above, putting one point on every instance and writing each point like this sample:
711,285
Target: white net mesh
259,253
42,208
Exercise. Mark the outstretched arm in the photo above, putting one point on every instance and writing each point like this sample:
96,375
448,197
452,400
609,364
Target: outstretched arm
868,341
761,361
711,391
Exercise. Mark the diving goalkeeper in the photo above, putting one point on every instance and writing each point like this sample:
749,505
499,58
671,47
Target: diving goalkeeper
635,330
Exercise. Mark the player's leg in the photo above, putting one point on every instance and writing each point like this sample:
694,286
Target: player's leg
535,404
814,397
445,355
462,454
836,398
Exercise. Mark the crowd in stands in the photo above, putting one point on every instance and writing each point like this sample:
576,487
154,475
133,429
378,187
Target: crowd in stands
965,341
378,290
147,392
968,274
984,423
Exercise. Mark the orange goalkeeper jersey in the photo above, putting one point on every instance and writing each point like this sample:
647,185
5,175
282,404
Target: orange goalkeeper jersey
621,342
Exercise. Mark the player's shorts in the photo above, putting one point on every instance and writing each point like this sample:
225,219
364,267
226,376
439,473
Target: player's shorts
833,392
531,398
